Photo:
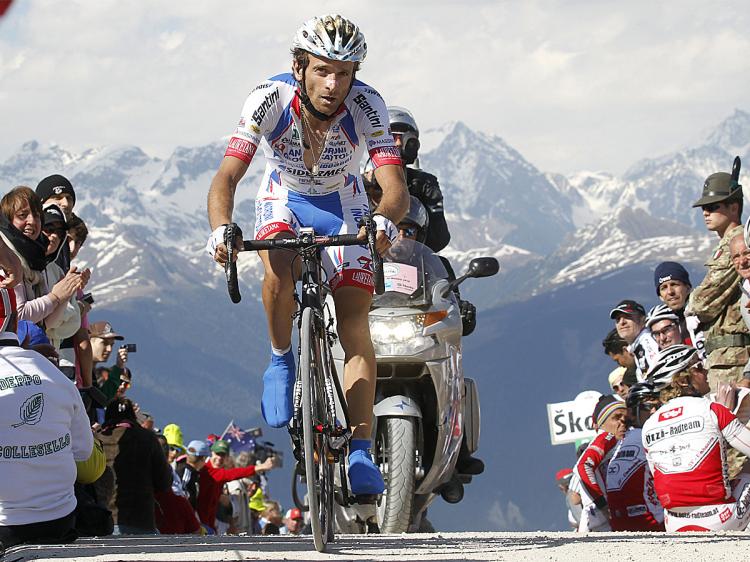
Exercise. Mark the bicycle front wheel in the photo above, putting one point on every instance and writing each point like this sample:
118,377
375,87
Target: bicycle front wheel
315,423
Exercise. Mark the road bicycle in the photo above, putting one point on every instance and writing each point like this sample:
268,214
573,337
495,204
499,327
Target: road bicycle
319,428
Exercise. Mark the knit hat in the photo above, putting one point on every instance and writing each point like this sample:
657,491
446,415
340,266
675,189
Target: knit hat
670,271
605,407
53,186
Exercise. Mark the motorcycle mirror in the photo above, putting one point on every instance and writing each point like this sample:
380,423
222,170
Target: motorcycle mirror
483,267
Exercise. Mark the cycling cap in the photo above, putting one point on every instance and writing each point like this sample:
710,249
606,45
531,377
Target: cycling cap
417,214
628,307
670,271
669,362
331,37
658,313
639,392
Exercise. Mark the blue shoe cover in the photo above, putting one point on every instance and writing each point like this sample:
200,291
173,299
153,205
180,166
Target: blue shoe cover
364,476
277,403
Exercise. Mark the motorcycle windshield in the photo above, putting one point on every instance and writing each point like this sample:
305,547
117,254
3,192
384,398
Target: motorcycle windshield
410,269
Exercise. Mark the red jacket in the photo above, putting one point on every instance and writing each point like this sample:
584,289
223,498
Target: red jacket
211,482
174,514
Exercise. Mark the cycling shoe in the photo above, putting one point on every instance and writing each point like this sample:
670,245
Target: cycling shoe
277,403
364,476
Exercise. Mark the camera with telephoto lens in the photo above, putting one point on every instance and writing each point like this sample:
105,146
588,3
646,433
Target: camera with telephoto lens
264,449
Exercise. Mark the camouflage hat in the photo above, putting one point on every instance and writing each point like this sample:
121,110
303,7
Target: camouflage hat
719,187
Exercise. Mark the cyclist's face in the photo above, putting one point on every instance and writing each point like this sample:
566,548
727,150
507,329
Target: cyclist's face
327,82
666,333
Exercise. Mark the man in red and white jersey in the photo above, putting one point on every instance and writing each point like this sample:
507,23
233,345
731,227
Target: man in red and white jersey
633,505
591,468
686,442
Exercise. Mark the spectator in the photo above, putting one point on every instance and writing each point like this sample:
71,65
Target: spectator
188,469
686,440
173,433
630,323
294,522
563,478
138,470
58,190
213,477
20,230
664,326
616,382
270,521
146,420
609,420
56,230
630,485
617,350
740,254
45,431
240,491
673,287
715,302
174,515
77,234
102,339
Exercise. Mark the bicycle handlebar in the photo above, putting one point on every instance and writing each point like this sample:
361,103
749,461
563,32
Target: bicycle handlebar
303,241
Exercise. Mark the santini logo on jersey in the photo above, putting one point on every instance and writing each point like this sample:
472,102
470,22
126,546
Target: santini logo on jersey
670,414
690,425
269,100
370,112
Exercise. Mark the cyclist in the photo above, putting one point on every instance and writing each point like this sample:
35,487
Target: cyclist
315,123
686,443
591,467
664,326
631,496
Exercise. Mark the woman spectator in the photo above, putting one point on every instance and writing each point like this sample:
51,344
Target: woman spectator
21,230
686,443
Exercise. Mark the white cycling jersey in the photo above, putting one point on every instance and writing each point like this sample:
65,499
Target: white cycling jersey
686,442
645,349
330,197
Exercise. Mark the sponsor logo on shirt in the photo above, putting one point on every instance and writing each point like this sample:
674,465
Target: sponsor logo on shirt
370,112
636,510
379,133
690,425
265,105
670,414
725,515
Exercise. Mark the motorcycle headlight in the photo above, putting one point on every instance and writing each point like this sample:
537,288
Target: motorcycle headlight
399,336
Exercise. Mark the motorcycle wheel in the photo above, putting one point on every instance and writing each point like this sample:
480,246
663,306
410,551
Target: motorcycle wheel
395,446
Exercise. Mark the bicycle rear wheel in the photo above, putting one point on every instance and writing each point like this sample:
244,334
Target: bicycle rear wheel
315,424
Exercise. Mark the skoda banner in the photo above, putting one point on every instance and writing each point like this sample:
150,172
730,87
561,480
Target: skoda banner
572,421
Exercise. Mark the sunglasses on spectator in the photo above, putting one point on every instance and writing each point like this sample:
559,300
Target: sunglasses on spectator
409,230
126,384
664,331
711,207
60,231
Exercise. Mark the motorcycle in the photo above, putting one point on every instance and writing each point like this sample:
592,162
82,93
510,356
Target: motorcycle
424,407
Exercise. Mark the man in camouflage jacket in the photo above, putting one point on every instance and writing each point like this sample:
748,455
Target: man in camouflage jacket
715,302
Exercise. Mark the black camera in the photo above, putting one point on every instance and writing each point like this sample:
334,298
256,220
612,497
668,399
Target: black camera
87,298
129,347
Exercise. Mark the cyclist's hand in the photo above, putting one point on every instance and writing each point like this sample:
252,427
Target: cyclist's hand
382,242
387,233
216,247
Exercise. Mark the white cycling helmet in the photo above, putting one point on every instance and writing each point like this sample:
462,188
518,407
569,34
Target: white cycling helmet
401,119
669,362
331,37
658,313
